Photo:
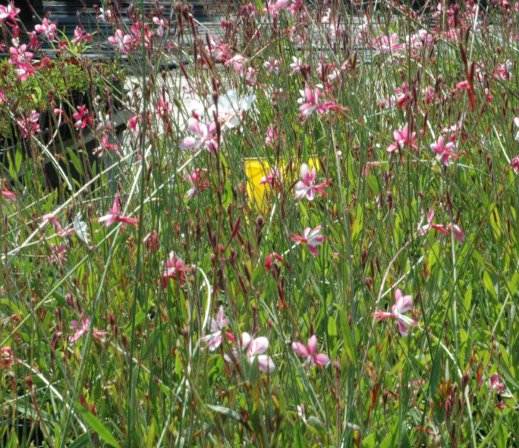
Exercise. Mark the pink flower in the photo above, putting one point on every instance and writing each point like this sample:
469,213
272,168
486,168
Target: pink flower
114,215
52,219
123,42
164,107
106,146
174,268
255,349
275,7
273,259
311,237
237,63
203,136
81,36
161,26
8,194
8,12
497,384
402,138
7,358
272,136
458,233
503,72
309,352
29,125
402,96
22,60
297,65
82,117
133,124
274,178
197,180
402,305
80,328
306,186
444,151
310,102
388,44
514,163
215,338
47,28
272,66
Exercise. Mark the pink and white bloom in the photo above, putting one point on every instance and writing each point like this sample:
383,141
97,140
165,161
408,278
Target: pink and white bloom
274,178
80,328
204,136
81,36
237,63
402,305
306,186
514,163
7,194
174,268
459,234
388,43
106,146
272,66
52,219
275,7
198,181
115,216
272,136
215,338
309,352
47,29
496,383
310,102
311,237
297,65
402,138
255,349
29,125
8,12
161,26
82,117
503,72
444,150
123,42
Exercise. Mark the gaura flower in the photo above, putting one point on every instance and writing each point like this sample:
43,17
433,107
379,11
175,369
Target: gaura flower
402,305
311,237
115,216
306,186
255,349
215,338
309,352
174,268
402,138
444,150
257,171
6,357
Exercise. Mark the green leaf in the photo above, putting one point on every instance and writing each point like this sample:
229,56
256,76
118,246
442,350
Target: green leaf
332,326
98,427
489,285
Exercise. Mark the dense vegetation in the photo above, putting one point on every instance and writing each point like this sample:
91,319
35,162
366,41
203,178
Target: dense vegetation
306,236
